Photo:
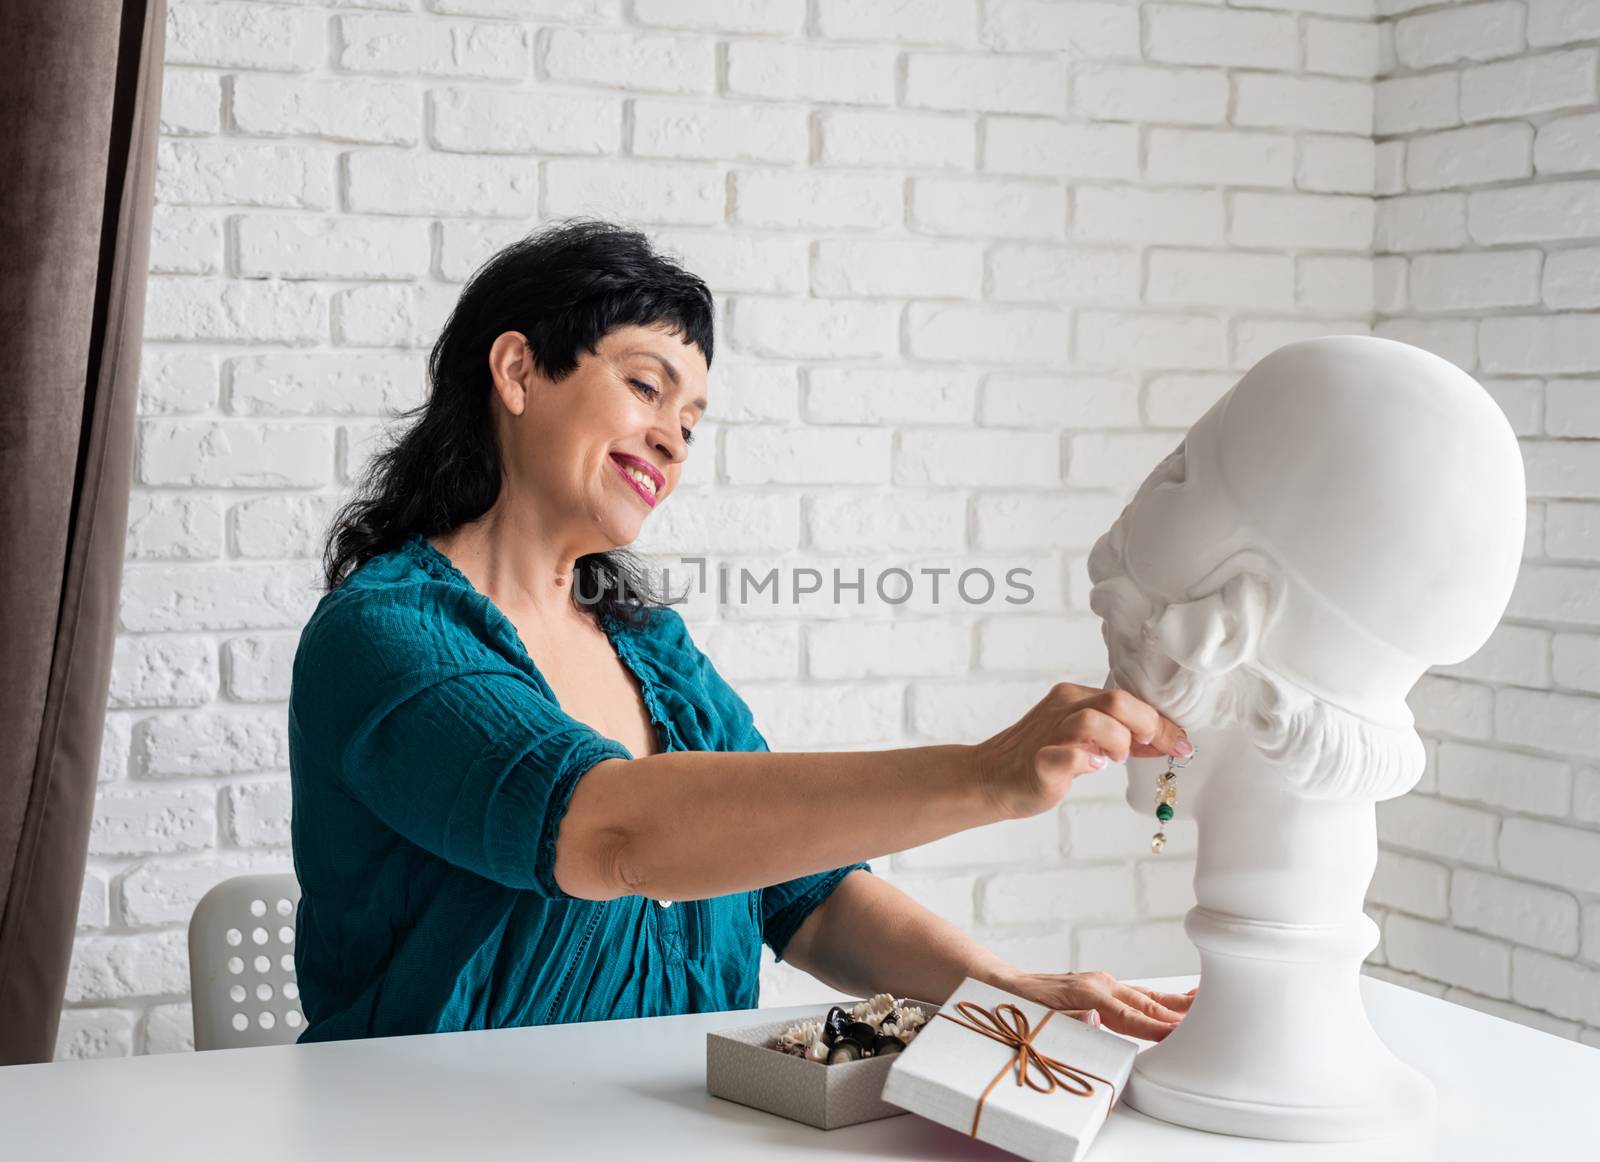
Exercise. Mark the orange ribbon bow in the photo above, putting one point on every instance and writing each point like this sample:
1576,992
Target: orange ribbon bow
1009,1025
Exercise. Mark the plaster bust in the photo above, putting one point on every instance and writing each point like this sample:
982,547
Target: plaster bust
1346,516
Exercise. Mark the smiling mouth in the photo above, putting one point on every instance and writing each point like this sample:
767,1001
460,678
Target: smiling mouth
642,483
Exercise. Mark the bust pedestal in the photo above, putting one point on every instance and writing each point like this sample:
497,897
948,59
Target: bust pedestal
1277,1044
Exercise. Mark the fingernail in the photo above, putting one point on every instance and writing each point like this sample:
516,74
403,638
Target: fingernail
1097,761
1094,1018
1183,748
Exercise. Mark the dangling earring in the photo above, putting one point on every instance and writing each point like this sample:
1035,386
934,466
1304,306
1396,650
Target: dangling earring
1166,798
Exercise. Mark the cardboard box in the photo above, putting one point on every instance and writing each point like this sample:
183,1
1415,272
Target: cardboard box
742,1066
948,1069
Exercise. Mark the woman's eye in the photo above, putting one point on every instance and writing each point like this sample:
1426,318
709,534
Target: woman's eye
688,436
645,389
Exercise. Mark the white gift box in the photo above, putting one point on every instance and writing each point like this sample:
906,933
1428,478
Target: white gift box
950,1069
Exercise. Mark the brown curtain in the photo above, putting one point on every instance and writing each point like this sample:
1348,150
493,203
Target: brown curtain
80,87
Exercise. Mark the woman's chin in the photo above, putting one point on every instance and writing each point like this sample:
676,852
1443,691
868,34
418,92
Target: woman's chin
619,529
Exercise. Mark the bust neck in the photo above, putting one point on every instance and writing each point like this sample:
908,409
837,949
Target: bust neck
1268,852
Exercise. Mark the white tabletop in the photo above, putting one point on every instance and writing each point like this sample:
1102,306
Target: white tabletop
636,1089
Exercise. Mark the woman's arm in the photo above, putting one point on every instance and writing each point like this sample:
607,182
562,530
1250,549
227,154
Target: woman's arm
869,937
685,825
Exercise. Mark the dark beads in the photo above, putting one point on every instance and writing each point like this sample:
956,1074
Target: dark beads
845,1050
834,1024
886,1044
861,1033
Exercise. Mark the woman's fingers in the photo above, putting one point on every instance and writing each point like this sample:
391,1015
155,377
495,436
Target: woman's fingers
1177,1002
1097,729
1152,732
1123,1018
1087,1016
1072,759
1146,1003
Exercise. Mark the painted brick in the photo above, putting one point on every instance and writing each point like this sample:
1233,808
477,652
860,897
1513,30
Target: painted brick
813,72
1475,281
243,36
894,267
1076,401
1150,93
1531,85
1335,164
1433,827
869,137
1294,102
1448,954
985,83
1534,213
1568,145
371,112
476,120
1031,272
905,22
1041,148
771,198
963,332
642,61
689,195
1467,32
1218,157
410,46
1226,37
999,207
1515,911
1474,156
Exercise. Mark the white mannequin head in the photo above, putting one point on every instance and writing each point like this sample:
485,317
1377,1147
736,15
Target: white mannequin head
1349,514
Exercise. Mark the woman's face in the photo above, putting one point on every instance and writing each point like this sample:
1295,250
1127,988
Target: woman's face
597,452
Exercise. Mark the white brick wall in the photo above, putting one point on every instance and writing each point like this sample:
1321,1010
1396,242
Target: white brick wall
1488,129
992,255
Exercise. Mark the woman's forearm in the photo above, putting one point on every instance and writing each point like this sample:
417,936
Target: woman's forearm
686,825
869,937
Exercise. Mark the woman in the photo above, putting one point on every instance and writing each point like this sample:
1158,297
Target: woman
522,794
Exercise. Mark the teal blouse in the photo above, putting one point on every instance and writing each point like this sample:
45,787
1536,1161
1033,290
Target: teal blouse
431,765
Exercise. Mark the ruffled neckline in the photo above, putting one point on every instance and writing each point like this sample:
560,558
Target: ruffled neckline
422,551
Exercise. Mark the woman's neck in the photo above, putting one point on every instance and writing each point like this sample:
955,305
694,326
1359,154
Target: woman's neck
511,560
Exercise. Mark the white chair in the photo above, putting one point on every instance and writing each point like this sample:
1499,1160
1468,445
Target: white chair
241,963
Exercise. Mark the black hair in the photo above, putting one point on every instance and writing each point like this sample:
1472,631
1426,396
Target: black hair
565,287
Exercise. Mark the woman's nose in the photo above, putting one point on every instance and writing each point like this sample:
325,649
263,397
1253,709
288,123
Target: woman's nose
672,445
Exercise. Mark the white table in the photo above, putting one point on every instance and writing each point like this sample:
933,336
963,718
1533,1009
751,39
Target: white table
636,1089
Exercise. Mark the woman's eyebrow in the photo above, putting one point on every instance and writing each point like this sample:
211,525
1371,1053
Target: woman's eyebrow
672,373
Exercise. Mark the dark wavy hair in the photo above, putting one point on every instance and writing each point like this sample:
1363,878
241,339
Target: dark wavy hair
565,287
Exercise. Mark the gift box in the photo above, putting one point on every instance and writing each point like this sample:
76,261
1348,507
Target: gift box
1012,1073
742,1066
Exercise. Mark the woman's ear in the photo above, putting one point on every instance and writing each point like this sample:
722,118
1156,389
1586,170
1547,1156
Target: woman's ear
1215,633
510,360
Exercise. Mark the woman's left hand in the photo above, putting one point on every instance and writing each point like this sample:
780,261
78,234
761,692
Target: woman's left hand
1123,1008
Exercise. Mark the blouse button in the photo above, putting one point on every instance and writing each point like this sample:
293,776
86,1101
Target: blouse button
665,903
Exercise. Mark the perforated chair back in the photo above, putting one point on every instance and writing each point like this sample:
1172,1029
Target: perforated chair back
241,963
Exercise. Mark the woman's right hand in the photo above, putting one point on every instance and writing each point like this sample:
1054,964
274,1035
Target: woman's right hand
1029,767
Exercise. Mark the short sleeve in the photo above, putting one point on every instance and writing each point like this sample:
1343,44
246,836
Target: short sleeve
784,906
463,756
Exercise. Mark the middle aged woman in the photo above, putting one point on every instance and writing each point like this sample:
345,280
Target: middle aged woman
522,794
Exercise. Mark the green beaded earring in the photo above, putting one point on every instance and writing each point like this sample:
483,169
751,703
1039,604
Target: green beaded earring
1166,799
